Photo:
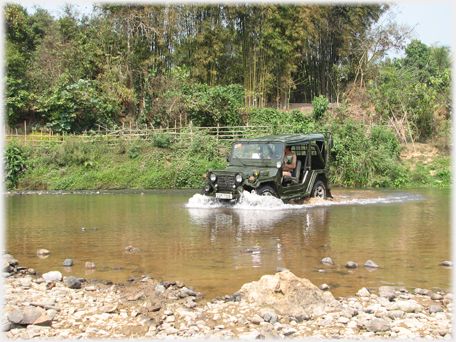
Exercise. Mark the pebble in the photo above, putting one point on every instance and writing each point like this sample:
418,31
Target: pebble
143,310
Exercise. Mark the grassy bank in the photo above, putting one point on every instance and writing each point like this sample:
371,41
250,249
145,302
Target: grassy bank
358,160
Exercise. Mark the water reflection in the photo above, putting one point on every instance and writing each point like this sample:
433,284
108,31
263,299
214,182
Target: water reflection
218,248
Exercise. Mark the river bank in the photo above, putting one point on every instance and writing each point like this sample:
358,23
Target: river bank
50,306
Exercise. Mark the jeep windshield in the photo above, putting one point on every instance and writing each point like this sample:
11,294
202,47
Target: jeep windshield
249,152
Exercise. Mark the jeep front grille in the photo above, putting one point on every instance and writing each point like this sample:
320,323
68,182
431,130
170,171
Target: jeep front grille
225,183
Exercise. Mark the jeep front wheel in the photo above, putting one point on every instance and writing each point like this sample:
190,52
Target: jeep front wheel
319,190
266,190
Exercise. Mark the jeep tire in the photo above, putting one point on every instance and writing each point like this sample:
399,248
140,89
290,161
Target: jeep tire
266,190
319,190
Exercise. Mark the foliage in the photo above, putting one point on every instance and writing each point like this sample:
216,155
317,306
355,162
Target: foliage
363,160
320,106
14,163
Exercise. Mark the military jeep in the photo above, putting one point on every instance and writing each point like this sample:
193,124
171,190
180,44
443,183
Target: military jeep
256,165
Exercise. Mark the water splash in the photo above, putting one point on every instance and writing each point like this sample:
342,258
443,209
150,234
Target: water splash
250,201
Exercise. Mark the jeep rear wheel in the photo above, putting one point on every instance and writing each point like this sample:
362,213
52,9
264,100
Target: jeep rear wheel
266,190
319,190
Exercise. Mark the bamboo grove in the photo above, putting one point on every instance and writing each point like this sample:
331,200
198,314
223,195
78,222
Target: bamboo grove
159,63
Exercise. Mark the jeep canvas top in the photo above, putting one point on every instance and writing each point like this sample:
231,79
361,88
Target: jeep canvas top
256,165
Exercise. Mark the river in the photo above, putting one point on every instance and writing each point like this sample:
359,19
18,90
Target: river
216,248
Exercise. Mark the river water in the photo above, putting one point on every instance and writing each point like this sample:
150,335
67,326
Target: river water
216,248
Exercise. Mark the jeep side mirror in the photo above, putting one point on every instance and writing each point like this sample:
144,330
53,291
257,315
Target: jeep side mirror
289,160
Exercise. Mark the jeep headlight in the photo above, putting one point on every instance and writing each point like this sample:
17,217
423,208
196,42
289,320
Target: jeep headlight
238,178
207,188
212,177
279,164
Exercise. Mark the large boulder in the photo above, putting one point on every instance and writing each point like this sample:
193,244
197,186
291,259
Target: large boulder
288,295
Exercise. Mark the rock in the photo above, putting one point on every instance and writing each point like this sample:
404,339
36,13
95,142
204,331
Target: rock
256,320
436,296
378,324
370,264
72,283
52,276
395,314
42,252
351,264
135,296
271,317
435,308
387,292
189,303
246,250
179,284
67,263
26,283
287,294
90,265
268,332
10,260
447,263
324,287
45,320
281,269
363,293
327,261
406,306
27,316
7,267
421,291
131,249
109,308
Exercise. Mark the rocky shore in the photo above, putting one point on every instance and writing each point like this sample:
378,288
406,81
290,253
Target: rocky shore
50,306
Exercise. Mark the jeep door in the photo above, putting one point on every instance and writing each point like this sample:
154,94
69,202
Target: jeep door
299,189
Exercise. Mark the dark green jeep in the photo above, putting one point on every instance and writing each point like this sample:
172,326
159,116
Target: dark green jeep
257,165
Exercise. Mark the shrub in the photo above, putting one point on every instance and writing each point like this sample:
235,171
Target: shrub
320,107
14,161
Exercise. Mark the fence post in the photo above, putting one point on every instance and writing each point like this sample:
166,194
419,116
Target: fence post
218,132
191,130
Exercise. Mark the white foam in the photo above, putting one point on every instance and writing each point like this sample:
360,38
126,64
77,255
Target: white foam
250,201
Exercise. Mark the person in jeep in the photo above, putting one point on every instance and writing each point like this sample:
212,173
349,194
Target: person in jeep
288,169
262,166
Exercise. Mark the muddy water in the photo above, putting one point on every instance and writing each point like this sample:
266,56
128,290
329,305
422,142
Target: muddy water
218,248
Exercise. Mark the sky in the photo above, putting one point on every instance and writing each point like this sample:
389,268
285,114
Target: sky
431,19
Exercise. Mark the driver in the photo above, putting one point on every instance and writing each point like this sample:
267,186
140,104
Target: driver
288,169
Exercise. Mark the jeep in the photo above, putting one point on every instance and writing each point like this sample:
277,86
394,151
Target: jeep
257,165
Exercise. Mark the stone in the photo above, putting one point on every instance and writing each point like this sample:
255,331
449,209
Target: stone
447,263
271,317
268,332
256,320
423,292
67,263
327,261
42,252
10,260
72,282
324,287
27,316
363,293
189,303
436,296
52,276
286,294
351,264
435,308
131,249
378,324
90,265
370,264
7,267
26,283
406,306
109,308
45,320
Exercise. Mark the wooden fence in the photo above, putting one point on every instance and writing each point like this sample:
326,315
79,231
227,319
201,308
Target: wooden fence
40,138
134,133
